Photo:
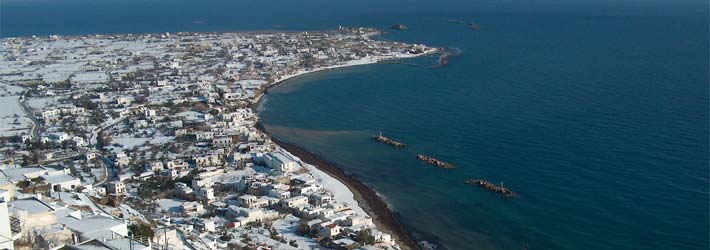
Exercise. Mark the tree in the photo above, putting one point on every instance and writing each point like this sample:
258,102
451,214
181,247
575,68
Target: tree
226,237
38,179
364,237
303,229
141,230
23,184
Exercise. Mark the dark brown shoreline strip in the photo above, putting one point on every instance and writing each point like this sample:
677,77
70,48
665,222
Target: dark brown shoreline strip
366,197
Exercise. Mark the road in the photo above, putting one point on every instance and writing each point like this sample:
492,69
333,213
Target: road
35,123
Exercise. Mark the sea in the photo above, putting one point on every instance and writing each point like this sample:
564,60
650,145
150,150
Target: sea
595,113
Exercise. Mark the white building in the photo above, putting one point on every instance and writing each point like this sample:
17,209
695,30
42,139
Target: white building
51,115
5,232
116,187
204,135
192,208
279,161
98,227
125,243
222,141
150,113
295,202
207,225
90,156
207,160
248,215
321,198
155,166
32,213
205,194
61,182
182,189
169,237
177,164
123,101
329,230
122,160
356,220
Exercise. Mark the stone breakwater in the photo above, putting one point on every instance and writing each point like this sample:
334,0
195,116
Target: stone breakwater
492,187
388,141
435,162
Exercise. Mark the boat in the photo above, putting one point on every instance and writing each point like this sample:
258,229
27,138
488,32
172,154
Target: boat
435,162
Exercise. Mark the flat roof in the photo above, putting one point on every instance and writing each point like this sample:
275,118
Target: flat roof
18,174
92,224
32,206
59,178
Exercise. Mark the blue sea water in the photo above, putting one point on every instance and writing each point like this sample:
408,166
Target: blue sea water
594,112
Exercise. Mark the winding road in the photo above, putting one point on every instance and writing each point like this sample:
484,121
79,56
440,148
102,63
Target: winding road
28,111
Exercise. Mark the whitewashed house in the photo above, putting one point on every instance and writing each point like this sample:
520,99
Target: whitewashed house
279,161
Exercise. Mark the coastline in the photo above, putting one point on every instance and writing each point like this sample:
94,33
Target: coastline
256,102
365,196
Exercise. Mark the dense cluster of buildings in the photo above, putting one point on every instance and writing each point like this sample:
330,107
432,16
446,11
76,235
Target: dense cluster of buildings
150,142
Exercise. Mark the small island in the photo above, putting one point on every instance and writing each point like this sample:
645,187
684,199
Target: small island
399,27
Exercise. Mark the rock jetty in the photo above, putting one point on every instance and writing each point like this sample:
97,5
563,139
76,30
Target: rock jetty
434,161
492,187
388,141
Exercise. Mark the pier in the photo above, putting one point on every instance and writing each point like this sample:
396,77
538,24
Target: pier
491,187
388,141
434,161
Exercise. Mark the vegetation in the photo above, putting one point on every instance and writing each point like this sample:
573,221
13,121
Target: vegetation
365,237
38,179
305,230
226,237
23,184
141,230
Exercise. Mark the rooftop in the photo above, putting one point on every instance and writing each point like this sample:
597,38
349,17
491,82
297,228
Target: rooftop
31,206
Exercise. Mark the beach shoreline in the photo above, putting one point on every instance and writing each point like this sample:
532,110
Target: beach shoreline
258,98
365,196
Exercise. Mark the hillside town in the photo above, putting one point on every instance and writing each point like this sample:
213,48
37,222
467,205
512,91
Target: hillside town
151,141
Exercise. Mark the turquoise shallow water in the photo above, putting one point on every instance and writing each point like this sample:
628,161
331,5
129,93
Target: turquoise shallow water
595,113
